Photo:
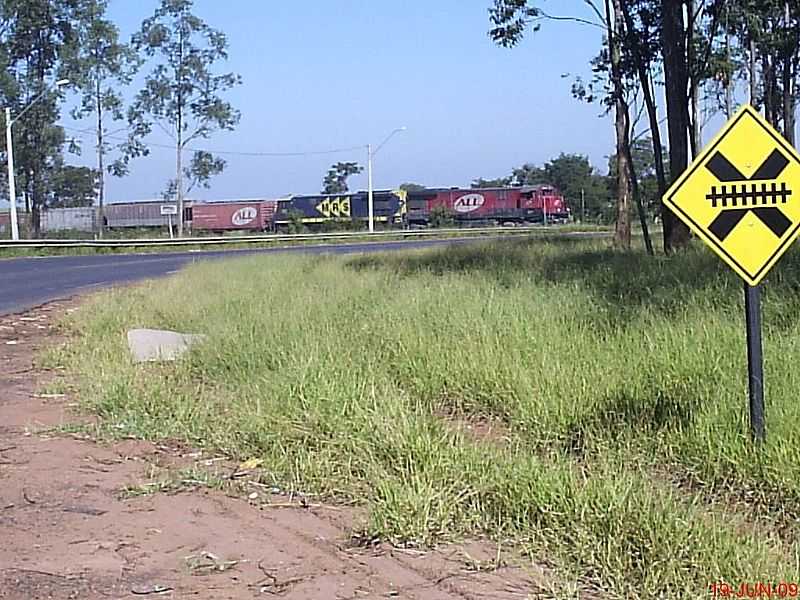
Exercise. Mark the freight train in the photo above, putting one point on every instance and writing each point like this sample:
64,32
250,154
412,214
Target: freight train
391,208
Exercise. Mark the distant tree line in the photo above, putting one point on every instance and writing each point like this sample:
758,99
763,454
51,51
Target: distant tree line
42,41
590,194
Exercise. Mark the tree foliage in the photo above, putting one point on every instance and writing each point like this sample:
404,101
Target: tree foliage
335,181
74,187
99,68
574,176
481,183
441,217
182,93
37,37
197,173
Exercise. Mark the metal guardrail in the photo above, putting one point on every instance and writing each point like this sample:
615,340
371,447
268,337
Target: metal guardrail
269,238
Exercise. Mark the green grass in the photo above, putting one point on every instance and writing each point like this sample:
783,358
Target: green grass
621,380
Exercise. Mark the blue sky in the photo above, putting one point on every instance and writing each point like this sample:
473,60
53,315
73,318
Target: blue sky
326,74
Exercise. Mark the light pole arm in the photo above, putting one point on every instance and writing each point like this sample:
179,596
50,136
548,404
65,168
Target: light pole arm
12,192
370,154
388,137
27,108
58,84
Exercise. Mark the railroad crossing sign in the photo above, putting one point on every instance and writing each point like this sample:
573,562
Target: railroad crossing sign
741,195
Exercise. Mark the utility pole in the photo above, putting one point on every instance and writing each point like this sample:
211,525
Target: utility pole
12,192
544,210
369,193
583,207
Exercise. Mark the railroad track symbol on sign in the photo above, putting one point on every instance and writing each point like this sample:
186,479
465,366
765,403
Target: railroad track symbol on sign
741,195
735,201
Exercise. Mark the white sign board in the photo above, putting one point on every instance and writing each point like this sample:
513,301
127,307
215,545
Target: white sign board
168,209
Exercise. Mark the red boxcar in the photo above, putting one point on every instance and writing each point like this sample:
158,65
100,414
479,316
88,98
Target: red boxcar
227,216
497,205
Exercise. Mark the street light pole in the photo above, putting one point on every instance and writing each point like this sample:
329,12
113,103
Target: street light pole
370,154
369,193
12,191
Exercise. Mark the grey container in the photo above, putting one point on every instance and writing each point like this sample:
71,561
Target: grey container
137,214
69,219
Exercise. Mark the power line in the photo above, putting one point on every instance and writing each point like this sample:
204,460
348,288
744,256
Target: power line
84,132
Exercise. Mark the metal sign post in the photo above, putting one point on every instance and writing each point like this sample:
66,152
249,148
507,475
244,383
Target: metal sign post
741,196
755,362
167,210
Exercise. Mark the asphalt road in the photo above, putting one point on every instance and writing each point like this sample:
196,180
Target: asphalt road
29,282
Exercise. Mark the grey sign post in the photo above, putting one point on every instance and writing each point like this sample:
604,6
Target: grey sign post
168,210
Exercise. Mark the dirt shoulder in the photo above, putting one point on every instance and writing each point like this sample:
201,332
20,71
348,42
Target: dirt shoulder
69,532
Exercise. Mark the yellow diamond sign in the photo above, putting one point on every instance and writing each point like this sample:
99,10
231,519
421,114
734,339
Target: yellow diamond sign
741,195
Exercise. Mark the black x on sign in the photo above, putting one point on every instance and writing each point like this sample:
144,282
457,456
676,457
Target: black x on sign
751,197
741,195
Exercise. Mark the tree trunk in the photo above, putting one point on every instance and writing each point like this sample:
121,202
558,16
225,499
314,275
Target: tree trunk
728,75
766,74
788,103
753,75
179,137
645,79
179,182
101,180
788,81
676,234
792,58
728,99
655,133
694,121
637,197
622,231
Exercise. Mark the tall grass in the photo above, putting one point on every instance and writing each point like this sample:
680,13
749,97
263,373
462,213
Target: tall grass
620,378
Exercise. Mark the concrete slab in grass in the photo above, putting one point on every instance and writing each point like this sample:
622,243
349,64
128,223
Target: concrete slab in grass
147,345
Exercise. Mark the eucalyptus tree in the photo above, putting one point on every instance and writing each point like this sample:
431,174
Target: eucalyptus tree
36,38
100,67
511,19
182,95
766,37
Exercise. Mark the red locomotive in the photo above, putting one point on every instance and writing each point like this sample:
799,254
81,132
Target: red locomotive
533,204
